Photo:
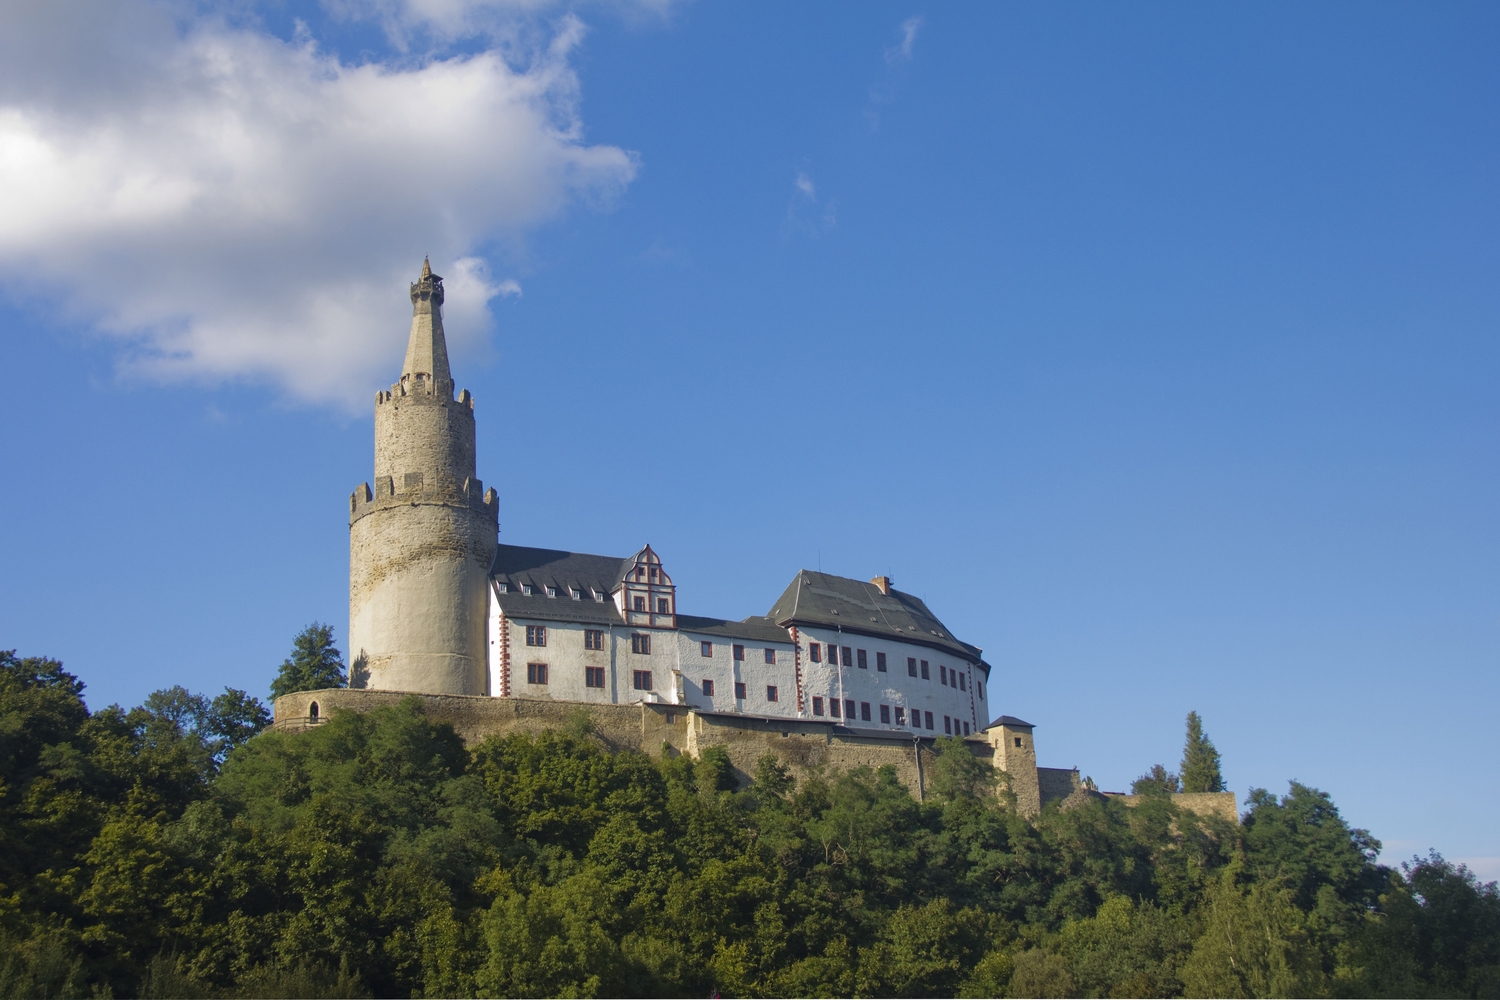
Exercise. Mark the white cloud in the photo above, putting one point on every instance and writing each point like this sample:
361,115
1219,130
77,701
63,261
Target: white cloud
901,52
802,214
406,22
230,205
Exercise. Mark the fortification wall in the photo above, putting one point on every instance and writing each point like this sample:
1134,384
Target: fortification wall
802,744
1220,804
805,745
1057,782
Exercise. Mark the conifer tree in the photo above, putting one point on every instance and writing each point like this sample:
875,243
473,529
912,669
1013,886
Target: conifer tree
1200,760
315,663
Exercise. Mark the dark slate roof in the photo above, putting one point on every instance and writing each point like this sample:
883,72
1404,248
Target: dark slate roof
754,628
516,565
828,601
1008,720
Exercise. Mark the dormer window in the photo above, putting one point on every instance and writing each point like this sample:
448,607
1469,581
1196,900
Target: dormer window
576,593
599,595
526,589
551,591
504,588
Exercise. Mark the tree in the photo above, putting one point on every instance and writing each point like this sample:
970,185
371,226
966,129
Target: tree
220,725
1200,760
315,663
1157,781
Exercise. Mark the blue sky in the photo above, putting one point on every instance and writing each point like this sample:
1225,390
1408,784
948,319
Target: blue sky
1154,346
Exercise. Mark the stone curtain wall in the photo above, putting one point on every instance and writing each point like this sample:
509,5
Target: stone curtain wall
802,744
1221,804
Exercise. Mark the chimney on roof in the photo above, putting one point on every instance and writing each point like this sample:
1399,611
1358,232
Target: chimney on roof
884,583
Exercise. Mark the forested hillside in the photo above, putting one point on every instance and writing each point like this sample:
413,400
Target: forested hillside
166,851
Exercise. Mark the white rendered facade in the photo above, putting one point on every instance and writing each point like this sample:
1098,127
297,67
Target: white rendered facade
572,627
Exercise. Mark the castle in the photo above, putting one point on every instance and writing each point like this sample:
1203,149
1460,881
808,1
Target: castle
838,671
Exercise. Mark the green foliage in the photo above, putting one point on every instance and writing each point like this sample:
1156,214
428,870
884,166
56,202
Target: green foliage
315,663
1200,760
176,850
1157,781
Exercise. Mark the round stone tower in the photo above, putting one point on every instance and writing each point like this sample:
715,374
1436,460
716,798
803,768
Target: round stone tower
420,545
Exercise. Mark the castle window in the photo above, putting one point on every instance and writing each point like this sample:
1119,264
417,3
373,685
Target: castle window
943,674
593,677
966,729
859,658
641,680
593,638
640,572
708,687
900,716
536,635
926,675
880,662
739,690
551,591
864,711
885,715
947,725
536,673
848,656
653,572
815,652
833,707
1018,741
671,718
817,705
640,604
706,648
770,692
961,685
739,652
911,665
849,708
770,656
929,721
661,605
640,642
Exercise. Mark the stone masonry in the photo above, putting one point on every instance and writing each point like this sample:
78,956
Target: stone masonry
421,543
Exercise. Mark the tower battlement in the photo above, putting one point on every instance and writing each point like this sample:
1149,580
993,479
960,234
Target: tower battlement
417,488
423,389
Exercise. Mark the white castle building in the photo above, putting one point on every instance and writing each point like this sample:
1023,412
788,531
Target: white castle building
437,606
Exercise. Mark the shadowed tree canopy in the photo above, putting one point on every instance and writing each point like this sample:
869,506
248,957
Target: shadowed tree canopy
315,663
170,850
1200,760
1157,781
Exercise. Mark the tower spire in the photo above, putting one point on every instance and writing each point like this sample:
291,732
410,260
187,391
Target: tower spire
426,350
